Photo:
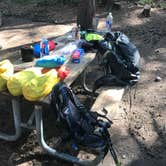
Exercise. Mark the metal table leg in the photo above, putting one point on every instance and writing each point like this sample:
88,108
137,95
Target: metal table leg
17,123
54,152
29,123
86,89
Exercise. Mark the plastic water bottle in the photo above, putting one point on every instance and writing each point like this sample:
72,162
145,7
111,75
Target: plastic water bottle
109,21
44,47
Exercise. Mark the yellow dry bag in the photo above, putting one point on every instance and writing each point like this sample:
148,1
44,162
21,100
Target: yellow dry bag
6,71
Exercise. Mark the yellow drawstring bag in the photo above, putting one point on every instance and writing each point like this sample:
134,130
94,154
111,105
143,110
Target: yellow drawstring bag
6,71
15,82
40,86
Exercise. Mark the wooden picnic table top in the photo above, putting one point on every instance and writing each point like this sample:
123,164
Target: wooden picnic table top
75,70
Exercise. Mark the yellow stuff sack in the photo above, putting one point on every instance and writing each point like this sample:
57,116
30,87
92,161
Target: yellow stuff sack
40,86
6,71
15,82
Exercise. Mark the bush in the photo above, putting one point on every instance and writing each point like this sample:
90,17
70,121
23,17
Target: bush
143,2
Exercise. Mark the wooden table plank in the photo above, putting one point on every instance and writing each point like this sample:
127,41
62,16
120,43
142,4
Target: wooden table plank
77,68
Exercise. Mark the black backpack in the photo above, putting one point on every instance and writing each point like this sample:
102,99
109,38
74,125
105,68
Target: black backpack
84,126
120,59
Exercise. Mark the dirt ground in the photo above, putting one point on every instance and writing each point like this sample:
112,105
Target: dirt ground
139,129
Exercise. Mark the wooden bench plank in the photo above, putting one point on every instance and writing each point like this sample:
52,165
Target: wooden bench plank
108,99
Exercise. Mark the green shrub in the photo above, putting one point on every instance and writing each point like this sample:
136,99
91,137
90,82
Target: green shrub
163,5
143,2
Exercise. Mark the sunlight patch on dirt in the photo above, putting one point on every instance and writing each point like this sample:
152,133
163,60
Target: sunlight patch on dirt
29,33
133,19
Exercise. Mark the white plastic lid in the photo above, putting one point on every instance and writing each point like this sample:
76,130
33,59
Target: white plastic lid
110,14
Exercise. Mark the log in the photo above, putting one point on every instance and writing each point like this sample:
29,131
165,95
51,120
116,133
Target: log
146,11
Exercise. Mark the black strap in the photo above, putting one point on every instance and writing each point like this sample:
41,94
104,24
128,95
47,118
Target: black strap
104,116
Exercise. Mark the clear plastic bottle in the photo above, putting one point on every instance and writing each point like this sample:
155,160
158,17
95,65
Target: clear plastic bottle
78,37
44,47
109,21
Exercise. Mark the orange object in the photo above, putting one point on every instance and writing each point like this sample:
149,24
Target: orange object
45,70
63,72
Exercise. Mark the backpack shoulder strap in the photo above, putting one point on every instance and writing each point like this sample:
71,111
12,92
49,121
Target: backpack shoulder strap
61,94
74,99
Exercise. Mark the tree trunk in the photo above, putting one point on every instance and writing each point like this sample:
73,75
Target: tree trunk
108,3
0,18
146,11
86,13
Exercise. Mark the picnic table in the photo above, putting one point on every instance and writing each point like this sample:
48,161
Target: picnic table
37,113
107,95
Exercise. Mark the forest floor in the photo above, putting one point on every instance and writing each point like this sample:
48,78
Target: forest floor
139,129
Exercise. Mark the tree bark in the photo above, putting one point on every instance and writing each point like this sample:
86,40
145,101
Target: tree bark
0,18
86,13
108,3
146,11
